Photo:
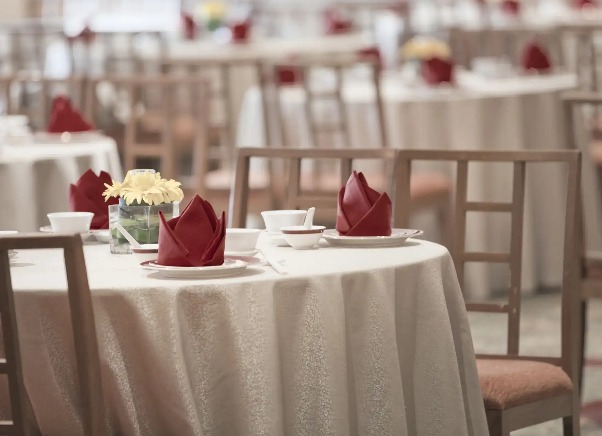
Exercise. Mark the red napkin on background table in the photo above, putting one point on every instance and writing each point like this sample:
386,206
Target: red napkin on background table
189,29
361,210
371,54
87,35
335,24
580,4
535,57
195,238
86,196
288,75
511,7
241,31
436,71
65,118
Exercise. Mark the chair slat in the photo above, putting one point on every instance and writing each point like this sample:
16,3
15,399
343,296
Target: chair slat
488,207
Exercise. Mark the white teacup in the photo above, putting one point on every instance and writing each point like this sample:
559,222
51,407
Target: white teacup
70,222
241,240
275,219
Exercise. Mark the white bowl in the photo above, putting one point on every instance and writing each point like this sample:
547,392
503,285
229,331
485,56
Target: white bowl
301,238
241,240
145,252
275,219
70,222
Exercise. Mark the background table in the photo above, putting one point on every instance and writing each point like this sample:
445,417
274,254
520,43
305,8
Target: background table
352,341
480,113
35,178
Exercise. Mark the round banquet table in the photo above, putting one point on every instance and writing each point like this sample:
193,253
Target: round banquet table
350,341
479,113
35,177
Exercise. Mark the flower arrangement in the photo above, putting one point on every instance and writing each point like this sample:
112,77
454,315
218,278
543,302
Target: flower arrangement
422,48
145,188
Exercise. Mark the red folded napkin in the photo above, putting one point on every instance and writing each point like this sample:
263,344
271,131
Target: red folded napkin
195,238
288,75
189,29
240,31
511,7
65,118
87,35
86,196
535,57
437,70
580,4
335,24
362,211
371,54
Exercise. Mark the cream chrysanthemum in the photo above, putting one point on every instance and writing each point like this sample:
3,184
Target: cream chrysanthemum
425,48
145,188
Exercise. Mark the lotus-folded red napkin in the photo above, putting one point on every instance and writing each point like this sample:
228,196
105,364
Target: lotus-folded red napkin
241,31
86,35
335,24
65,118
189,29
535,58
195,238
86,196
371,54
511,7
361,210
579,4
288,75
436,71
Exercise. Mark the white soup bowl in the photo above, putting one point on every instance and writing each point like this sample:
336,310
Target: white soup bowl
301,238
70,222
275,219
241,240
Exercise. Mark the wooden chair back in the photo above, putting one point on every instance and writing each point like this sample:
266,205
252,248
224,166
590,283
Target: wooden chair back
468,44
587,53
516,207
322,134
297,198
84,334
31,94
155,103
28,46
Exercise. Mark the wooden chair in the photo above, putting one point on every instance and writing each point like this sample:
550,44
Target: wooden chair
587,53
323,198
518,391
155,104
84,335
579,137
31,94
468,44
28,46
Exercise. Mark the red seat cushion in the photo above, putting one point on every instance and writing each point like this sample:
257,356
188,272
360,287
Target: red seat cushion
510,383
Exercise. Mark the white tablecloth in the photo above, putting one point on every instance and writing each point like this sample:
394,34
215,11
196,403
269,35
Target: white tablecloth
480,113
352,341
35,178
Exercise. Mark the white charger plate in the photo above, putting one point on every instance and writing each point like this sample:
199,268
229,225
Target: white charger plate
231,267
398,237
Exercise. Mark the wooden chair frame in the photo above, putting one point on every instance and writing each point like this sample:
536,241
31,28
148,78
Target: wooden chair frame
84,334
587,53
163,149
501,422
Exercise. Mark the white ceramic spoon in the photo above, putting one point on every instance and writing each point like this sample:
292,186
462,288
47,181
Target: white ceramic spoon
127,235
309,218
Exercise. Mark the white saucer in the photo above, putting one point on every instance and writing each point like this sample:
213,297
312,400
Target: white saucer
398,237
48,229
231,267
241,253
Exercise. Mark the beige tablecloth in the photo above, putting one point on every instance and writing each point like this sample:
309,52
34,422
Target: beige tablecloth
480,113
352,341
35,177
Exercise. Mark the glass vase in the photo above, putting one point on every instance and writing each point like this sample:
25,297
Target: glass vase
140,221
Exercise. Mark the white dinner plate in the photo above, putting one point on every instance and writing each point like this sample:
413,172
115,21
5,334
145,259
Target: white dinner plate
102,235
398,237
231,267
67,137
241,253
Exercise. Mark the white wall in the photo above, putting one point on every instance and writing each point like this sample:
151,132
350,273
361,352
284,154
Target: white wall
11,9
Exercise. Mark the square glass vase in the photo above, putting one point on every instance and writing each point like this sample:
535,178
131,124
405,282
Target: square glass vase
141,221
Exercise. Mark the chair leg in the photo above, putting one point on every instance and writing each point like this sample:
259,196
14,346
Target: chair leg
571,426
583,327
495,422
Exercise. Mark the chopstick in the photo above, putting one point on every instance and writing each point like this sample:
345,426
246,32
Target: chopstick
274,263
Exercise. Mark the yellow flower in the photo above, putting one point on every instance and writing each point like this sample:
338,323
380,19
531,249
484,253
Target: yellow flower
145,187
214,10
425,48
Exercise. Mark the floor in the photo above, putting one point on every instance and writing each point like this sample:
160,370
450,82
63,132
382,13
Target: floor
540,335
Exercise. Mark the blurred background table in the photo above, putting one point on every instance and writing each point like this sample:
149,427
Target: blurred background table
35,177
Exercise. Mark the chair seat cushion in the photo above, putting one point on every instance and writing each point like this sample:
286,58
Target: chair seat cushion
510,383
